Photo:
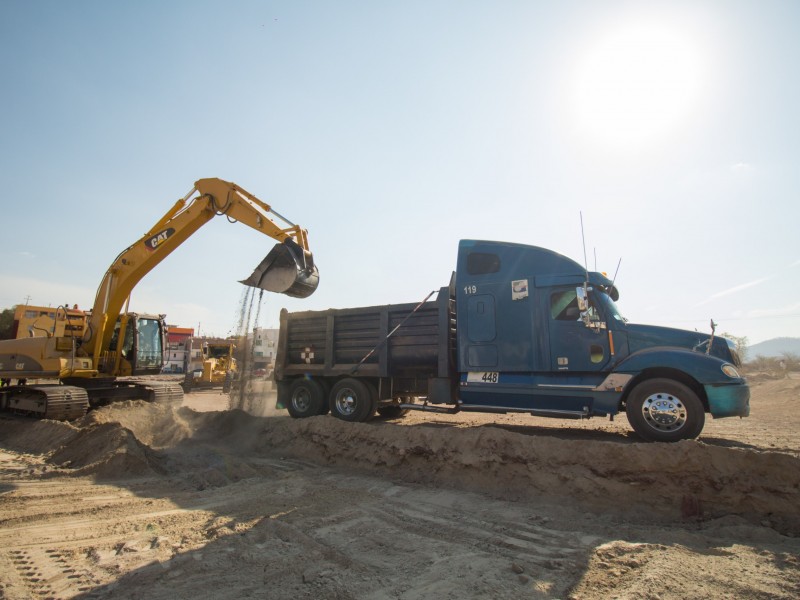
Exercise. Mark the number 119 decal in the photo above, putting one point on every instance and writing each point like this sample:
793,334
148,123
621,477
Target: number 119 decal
483,377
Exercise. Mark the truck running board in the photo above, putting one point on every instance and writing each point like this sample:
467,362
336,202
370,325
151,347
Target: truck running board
560,414
536,412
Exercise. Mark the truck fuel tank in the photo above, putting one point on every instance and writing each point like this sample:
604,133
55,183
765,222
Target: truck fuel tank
287,269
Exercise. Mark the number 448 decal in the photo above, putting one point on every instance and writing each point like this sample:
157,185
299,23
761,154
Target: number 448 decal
483,377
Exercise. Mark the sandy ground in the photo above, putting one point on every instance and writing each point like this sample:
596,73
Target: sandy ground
151,501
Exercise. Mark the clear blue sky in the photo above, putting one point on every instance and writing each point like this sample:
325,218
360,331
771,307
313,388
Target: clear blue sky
390,130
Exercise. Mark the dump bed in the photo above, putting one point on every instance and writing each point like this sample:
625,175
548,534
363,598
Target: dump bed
393,340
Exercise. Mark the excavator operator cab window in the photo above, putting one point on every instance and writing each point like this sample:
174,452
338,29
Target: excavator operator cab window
148,346
127,346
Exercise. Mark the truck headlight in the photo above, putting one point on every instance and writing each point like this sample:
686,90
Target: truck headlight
730,371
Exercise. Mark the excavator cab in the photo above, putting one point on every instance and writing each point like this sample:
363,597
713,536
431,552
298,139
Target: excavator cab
142,348
287,269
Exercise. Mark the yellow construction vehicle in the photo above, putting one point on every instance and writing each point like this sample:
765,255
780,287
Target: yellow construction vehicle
219,367
117,346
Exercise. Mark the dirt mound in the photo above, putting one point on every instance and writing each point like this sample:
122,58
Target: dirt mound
38,437
235,428
687,480
156,425
106,451
100,444
233,503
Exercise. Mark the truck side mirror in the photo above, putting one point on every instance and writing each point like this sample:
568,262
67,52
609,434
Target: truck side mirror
589,315
583,300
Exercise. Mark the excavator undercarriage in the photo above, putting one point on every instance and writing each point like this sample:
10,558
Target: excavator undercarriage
66,401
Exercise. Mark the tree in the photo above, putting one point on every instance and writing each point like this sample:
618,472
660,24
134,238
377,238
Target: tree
7,323
791,360
741,344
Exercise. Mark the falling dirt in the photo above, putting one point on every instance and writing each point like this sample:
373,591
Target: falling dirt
247,391
141,500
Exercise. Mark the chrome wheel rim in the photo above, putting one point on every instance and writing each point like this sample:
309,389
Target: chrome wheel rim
301,400
346,401
664,412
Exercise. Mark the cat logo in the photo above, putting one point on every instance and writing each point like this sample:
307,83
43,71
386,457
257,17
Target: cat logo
155,241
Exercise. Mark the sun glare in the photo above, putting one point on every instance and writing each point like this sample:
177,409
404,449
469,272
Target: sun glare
635,84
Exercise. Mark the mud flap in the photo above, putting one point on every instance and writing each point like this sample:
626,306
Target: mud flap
287,269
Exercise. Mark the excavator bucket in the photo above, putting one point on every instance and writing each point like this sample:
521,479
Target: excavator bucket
287,269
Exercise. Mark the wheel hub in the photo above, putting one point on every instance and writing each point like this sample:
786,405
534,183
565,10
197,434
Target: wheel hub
664,412
301,400
345,401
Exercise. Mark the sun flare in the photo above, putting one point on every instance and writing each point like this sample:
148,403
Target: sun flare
635,84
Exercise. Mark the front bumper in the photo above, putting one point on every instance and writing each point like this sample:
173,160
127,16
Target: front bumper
732,400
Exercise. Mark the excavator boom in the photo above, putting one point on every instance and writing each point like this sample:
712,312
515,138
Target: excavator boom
288,269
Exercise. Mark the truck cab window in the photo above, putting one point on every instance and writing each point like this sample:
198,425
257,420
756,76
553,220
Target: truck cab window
564,306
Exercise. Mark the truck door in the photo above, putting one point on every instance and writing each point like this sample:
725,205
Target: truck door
481,331
574,347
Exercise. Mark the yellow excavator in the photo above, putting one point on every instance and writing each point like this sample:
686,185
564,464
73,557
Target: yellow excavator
102,366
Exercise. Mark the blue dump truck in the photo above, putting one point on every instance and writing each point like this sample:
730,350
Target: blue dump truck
519,329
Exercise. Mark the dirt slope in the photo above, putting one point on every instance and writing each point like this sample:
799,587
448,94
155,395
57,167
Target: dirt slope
149,501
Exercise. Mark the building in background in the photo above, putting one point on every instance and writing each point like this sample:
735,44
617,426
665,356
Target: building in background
177,353
264,347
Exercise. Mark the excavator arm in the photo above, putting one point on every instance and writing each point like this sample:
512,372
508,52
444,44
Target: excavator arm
288,269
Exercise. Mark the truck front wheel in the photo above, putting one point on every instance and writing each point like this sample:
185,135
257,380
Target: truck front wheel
306,398
352,400
664,410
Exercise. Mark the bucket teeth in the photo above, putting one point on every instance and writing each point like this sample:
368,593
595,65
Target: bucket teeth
287,269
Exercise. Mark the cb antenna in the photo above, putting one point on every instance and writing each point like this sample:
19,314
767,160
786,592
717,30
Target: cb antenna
583,239
617,271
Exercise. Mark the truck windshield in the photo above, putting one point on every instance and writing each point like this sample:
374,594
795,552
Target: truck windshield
610,307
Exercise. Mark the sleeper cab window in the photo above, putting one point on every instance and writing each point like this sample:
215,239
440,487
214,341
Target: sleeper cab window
482,263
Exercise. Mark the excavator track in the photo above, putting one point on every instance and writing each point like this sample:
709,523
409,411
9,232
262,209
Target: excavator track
163,392
56,402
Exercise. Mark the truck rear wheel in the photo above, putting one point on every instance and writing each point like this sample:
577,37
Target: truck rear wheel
352,400
664,410
306,398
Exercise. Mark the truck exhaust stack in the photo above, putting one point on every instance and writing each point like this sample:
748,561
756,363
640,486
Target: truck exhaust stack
287,269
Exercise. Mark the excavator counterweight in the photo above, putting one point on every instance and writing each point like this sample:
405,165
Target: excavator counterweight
287,269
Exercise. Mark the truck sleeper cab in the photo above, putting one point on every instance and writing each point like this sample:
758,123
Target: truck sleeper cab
520,329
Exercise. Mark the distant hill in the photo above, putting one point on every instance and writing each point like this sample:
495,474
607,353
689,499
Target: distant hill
774,347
